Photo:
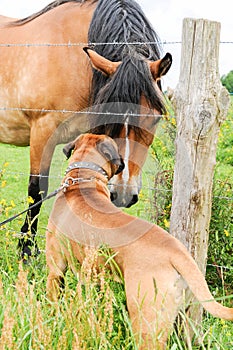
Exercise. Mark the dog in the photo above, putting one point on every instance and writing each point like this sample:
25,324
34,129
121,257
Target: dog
156,267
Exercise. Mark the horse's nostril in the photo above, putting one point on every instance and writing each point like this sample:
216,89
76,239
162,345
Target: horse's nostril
133,201
113,196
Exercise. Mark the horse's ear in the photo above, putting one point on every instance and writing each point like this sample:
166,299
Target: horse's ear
101,63
161,67
67,149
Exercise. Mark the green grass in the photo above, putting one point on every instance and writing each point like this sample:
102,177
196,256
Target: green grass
95,316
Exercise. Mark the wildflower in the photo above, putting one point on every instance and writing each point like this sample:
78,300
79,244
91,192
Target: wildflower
7,211
226,233
3,202
12,203
166,223
30,200
173,121
141,195
3,184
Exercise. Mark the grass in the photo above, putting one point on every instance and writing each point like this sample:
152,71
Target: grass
93,315
83,318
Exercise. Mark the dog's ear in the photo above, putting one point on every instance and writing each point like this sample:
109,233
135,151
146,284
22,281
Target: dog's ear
110,153
67,149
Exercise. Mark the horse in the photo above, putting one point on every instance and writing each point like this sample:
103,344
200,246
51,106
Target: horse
77,61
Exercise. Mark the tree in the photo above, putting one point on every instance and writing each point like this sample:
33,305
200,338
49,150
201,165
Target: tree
227,81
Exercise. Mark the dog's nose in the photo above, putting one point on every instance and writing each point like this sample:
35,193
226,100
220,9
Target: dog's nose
133,201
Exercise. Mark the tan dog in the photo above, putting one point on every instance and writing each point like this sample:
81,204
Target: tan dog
154,264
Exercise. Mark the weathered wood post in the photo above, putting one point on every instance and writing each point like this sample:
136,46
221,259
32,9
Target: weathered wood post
201,104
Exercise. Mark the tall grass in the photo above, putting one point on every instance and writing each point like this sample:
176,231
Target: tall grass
86,317
90,315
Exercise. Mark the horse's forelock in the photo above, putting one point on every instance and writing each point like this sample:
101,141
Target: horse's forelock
125,88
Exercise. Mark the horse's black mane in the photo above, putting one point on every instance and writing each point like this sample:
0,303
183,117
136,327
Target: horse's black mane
123,21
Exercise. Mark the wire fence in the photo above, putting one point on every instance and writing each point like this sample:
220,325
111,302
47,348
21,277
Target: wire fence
89,112
84,44
85,112
94,44
89,44
59,177
15,234
74,112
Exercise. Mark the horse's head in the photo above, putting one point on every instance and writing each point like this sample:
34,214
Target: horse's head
131,105
133,142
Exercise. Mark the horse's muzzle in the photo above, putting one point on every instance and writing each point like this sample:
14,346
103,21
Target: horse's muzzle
125,203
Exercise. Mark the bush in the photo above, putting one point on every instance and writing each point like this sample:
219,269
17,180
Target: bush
227,81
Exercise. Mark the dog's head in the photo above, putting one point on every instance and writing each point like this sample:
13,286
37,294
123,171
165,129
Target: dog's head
100,149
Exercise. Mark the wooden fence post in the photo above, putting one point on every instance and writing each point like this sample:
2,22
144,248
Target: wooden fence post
201,104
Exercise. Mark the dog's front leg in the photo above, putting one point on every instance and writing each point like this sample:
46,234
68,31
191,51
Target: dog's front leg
57,265
53,286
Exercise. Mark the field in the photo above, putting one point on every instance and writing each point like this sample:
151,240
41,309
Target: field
94,315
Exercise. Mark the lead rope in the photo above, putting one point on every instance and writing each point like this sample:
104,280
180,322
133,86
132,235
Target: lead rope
52,194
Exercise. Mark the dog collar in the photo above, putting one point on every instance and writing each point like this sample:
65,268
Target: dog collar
86,165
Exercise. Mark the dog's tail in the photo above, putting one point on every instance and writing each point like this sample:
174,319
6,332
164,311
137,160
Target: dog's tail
188,269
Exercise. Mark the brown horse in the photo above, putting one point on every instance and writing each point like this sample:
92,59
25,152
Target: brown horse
48,80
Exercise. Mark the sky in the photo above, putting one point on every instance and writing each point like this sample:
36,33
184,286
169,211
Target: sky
166,16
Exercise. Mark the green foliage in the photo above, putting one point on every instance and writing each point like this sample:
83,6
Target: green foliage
221,225
225,141
221,236
227,81
88,316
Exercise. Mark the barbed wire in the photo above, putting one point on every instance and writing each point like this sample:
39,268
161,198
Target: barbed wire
67,111
85,44
10,173
222,267
94,44
16,234
60,177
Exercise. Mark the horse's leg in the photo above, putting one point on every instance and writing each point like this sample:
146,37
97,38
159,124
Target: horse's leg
37,189
42,148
